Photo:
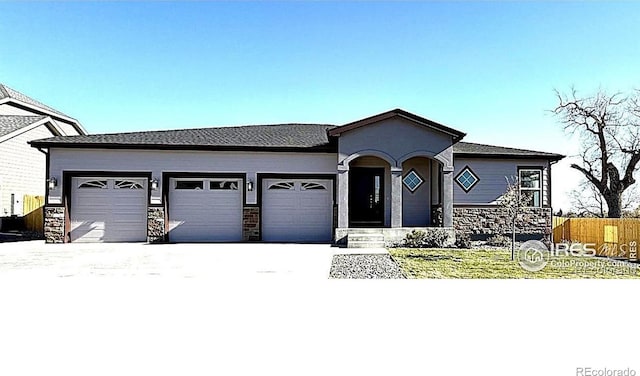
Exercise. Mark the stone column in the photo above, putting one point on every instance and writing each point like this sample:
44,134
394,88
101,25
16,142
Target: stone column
343,196
396,197
447,197
251,223
155,225
54,224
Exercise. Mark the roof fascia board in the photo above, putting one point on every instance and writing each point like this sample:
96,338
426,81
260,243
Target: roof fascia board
328,149
504,156
75,123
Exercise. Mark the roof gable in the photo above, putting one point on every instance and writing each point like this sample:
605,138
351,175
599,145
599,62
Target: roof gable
13,125
457,135
19,99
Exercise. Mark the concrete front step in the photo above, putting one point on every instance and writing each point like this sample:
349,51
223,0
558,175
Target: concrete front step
364,244
366,237
362,239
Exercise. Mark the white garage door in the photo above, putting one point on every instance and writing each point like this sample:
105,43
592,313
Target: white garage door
108,210
297,210
205,210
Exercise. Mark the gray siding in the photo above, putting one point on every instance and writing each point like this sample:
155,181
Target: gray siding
157,161
492,173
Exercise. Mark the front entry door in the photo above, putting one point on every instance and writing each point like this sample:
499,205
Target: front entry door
366,197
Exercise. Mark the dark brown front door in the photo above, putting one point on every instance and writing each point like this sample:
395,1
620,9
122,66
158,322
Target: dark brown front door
366,197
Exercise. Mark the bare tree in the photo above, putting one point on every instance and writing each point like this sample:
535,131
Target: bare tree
609,129
514,201
587,201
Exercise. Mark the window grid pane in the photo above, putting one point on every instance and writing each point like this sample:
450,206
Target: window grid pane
412,181
467,179
530,184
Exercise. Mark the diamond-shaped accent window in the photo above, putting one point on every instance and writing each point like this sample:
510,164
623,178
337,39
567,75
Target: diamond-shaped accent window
466,179
412,181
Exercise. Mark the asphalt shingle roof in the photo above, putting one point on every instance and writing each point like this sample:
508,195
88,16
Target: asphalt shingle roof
288,136
7,92
11,123
255,136
470,148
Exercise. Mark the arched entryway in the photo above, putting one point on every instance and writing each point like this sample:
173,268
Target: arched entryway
369,192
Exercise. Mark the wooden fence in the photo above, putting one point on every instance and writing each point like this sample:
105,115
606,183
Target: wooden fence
613,237
32,207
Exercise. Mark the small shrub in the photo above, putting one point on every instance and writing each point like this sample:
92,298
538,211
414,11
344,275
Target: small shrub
499,241
463,240
414,239
435,238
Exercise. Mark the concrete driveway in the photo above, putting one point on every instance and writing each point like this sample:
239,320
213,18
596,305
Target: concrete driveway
35,259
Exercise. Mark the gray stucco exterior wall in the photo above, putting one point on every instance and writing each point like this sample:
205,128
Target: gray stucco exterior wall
394,141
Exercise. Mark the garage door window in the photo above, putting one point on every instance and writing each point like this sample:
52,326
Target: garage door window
127,184
190,184
311,185
282,185
101,184
223,185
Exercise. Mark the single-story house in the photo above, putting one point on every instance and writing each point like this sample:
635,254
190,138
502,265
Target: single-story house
22,170
369,181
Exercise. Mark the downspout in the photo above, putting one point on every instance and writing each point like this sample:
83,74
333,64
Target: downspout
46,185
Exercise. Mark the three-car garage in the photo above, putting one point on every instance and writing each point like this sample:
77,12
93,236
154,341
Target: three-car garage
200,208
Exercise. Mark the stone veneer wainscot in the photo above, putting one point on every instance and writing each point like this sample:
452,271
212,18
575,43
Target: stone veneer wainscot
155,225
251,223
54,224
487,221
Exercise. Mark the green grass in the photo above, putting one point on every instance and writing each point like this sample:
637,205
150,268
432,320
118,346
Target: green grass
480,263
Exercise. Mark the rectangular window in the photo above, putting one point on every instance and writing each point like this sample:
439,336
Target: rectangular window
190,184
223,185
531,185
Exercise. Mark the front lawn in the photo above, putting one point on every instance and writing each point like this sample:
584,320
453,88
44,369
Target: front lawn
481,263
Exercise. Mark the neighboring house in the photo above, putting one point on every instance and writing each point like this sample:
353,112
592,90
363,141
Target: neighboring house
22,168
372,180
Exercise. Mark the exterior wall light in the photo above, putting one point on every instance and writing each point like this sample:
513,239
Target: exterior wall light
250,185
52,183
154,184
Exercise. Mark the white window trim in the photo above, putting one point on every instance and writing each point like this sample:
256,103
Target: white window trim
525,189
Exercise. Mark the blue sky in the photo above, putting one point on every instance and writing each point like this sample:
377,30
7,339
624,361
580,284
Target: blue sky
486,68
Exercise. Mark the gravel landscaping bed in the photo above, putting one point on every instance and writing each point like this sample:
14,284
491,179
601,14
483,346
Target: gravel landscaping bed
364,267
